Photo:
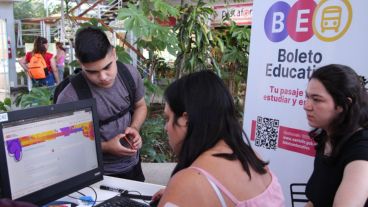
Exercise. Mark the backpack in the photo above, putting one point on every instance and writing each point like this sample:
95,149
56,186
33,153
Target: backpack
83,91
37,67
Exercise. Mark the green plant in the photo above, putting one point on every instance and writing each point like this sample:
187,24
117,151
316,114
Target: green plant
236,49
155,146
163,70
233,55
152,91
195,40
5,105
122,55
39,96
143,22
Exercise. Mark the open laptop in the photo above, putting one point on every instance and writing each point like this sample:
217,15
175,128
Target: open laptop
49,152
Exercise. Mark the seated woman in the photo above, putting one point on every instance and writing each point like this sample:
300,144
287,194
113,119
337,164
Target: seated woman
337,109
216,165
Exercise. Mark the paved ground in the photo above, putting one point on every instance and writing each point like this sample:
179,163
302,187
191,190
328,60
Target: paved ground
158,173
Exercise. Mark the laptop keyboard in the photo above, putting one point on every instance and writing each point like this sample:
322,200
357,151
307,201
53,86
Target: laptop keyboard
119,201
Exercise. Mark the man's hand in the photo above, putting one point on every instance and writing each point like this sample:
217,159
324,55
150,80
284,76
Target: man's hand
134,136
158,195
114,147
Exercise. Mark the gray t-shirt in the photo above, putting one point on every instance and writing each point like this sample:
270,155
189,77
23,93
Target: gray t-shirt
111,101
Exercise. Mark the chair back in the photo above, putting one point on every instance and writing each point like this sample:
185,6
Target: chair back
297,193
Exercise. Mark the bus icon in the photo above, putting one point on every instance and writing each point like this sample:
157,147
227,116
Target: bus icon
331,18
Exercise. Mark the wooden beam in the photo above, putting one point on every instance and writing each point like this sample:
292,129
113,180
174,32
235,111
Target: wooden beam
78,5
90,8
47,20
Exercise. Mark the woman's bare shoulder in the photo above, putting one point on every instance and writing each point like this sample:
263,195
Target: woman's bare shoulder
185,188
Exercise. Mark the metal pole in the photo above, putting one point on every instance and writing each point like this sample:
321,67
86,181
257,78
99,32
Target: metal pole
46,6
42,28
62,35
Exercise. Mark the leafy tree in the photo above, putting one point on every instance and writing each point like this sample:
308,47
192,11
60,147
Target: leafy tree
234,55
29,9
195,40
143,22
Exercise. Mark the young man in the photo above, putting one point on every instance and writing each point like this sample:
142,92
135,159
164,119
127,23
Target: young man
98,61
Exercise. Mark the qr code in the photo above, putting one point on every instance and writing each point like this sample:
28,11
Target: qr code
267,131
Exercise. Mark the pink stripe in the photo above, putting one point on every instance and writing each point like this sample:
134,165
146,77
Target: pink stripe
218,184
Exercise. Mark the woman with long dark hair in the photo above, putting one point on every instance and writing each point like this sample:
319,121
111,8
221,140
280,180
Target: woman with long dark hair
337,109
216,164
40,47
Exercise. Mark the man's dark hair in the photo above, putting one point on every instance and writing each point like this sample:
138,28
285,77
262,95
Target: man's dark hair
91,44
349,93
211,118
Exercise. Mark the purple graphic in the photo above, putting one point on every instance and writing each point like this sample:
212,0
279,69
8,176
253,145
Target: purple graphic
66,131
14,148
275,21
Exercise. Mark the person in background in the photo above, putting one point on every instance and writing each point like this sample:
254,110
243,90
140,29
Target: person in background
337,108
98,60
216,164
40,45
60,59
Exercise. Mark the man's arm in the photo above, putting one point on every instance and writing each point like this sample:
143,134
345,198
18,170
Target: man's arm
140,113
23,63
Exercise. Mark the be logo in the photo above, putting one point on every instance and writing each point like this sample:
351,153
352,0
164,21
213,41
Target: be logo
328,21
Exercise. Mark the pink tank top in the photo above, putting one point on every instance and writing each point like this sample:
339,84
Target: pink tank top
271,197
60,61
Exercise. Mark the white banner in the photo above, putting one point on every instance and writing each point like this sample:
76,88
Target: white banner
289,40
240,13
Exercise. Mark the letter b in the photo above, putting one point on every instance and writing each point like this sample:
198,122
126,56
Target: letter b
278,22
274,24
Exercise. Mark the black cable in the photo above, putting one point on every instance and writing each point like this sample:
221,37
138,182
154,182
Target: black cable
94,202
81,193
141,197
138,195
73,197
133,194
105,199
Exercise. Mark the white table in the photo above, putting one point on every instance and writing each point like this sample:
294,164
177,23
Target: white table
141,187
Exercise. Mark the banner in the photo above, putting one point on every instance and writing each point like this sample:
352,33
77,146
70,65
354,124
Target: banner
289,40
240,13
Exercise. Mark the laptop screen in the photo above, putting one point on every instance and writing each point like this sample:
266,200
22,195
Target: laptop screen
46,147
